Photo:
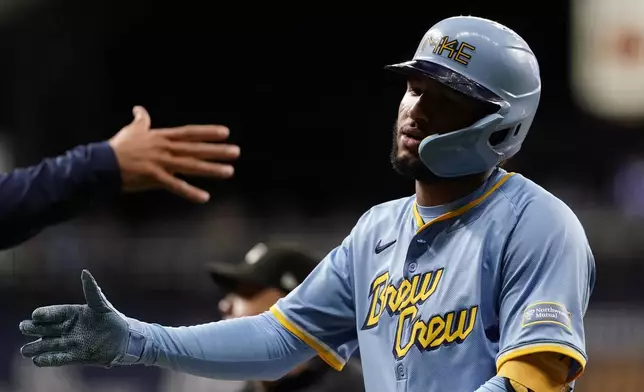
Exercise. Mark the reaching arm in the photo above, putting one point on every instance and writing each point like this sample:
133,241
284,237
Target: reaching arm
318,316
55,190
255,347
96,333
135,159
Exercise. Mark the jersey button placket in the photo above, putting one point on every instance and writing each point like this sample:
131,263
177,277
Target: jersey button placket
401,377
417,247
400,372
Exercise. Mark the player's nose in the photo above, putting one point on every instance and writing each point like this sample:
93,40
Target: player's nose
418,113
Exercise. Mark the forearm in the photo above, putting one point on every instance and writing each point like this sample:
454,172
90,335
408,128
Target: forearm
55,190
248,348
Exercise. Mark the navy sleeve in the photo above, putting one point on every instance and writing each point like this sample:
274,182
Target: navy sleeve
55,190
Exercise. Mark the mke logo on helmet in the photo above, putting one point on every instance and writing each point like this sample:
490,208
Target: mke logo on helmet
460,52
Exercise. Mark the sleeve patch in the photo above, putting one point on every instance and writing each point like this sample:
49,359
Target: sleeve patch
547,313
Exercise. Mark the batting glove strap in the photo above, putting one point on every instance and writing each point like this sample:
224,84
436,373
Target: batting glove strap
136,344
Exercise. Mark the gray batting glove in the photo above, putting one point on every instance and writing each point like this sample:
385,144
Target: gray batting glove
92,334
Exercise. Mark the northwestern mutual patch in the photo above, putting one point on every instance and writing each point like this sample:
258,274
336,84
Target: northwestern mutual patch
546,313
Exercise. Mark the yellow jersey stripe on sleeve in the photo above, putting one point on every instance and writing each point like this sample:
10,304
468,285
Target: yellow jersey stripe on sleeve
325,352
544,347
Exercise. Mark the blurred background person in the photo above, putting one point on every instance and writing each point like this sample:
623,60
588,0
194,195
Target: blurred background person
267,273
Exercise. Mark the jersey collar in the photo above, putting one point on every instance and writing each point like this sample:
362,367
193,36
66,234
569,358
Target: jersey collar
422,225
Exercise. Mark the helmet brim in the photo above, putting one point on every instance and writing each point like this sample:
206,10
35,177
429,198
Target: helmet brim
446,76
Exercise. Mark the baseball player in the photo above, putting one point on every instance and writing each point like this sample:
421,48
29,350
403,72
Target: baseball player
478,282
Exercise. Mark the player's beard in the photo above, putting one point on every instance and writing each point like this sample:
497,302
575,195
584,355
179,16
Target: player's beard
410,166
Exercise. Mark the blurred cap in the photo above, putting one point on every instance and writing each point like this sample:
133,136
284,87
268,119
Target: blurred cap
277,266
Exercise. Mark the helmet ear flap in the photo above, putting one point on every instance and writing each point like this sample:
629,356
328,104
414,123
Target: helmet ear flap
463,152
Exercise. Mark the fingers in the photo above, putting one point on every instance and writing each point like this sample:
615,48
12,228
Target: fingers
93,295
217,152
30,328
51,314
180,187
55,359
198,133
196,167
141,117
189,166
46,346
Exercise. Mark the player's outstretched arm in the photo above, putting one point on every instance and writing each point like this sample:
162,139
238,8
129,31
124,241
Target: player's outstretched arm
136,158
97,334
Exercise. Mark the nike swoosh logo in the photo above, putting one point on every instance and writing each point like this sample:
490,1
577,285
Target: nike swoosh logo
380,248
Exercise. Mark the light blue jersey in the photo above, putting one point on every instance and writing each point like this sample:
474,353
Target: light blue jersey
439,298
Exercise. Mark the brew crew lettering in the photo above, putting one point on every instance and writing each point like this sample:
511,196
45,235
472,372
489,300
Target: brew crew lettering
403,301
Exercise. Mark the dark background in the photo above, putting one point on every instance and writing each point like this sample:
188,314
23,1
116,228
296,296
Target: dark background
305,95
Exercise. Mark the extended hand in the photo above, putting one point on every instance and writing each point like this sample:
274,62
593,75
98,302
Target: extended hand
149,159
95,333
